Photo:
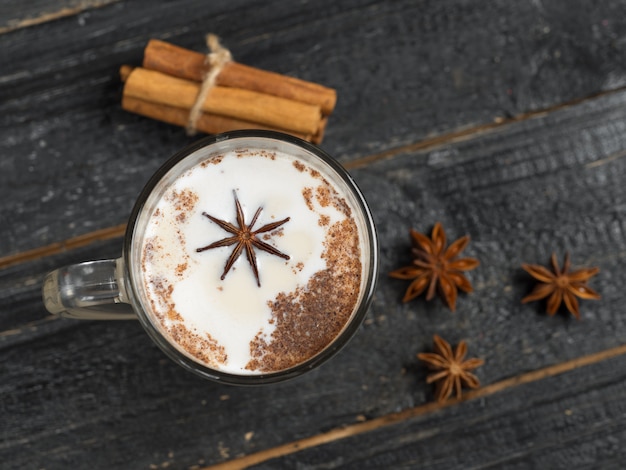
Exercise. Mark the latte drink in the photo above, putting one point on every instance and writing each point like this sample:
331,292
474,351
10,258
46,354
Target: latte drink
254,259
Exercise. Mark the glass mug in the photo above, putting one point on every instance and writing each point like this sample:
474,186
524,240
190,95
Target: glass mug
250,257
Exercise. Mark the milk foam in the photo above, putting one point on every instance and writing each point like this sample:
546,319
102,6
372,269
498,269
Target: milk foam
184,286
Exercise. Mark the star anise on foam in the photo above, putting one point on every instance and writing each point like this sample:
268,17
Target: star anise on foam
434,266
451,369
561,286
244,237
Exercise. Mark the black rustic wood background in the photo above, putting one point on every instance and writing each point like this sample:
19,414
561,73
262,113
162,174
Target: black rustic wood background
504,120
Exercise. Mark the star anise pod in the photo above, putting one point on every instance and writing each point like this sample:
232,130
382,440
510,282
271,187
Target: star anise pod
561,286
435,266
244,237
452,371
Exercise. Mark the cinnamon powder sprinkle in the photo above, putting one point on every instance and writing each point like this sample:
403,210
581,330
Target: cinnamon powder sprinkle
255,153
205,349
307,193
309,319
181,268
323,196
184,200
212,161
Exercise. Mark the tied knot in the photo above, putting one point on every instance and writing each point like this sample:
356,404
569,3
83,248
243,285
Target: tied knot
216,59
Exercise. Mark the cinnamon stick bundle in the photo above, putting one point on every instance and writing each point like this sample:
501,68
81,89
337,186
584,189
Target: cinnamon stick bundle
184,63
242,97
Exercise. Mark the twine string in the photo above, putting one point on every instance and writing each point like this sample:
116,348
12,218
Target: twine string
216,59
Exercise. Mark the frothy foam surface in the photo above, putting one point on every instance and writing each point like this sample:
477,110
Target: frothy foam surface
233,325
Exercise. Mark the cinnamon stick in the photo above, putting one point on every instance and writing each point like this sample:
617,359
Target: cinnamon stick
209,123
245,105
184,63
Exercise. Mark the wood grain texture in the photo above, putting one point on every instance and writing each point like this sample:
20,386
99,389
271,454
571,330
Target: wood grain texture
101,395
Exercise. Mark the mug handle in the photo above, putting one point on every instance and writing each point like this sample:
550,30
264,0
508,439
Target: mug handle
93,290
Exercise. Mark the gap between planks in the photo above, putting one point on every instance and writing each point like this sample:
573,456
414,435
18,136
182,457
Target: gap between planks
45,17
472,132
59,247
351,430
422,145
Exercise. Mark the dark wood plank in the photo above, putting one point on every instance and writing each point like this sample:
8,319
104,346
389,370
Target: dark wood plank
74,162
102,393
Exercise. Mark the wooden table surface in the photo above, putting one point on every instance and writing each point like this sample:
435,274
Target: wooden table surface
503,120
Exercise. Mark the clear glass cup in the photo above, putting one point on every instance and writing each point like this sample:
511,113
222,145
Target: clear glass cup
112,289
